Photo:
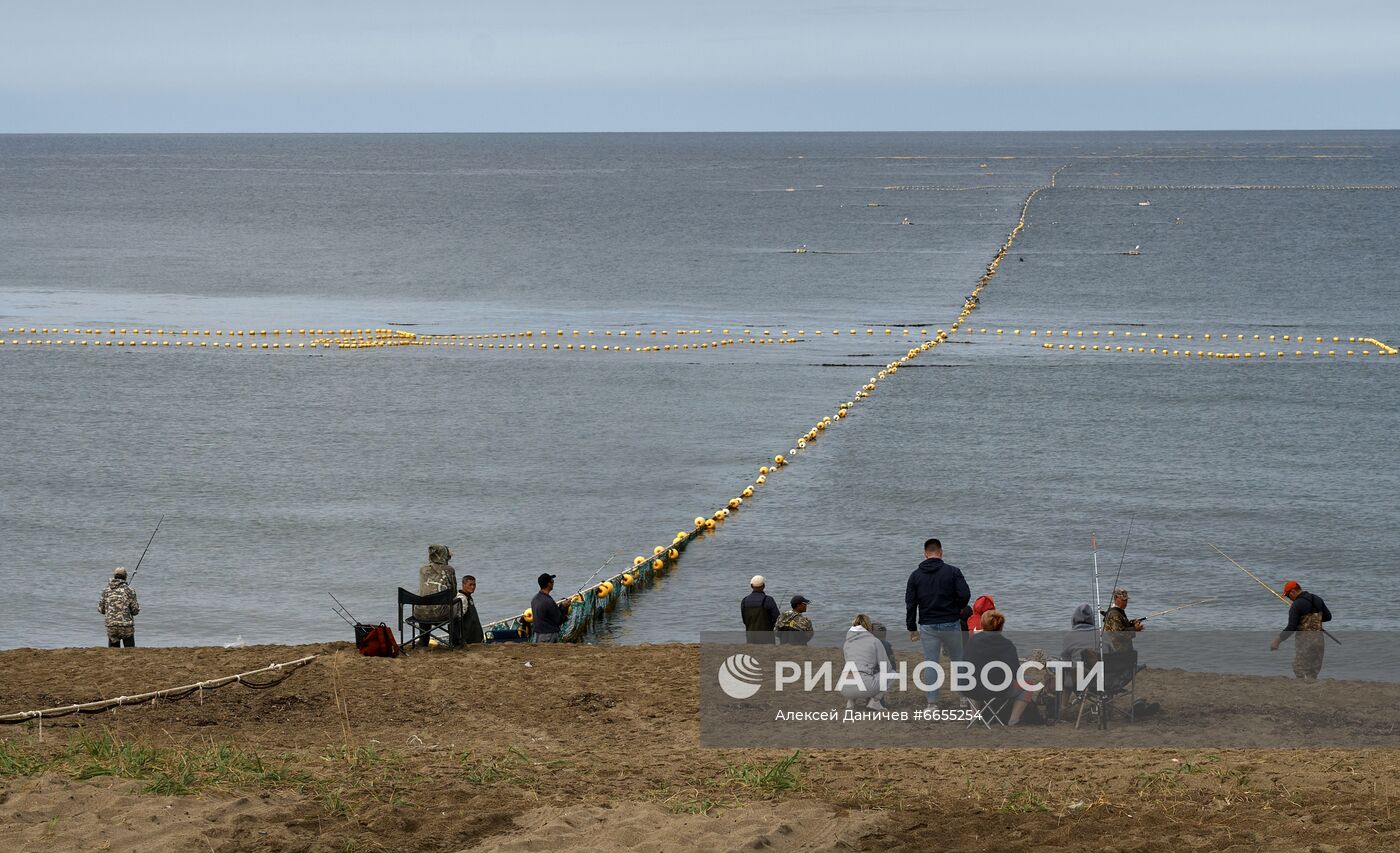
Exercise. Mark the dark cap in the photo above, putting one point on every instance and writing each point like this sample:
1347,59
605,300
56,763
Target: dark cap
800,599
545,580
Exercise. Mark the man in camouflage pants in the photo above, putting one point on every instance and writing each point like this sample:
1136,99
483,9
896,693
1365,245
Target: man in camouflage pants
1306,614
118,603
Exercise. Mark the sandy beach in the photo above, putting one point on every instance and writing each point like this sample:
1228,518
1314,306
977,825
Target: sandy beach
580,747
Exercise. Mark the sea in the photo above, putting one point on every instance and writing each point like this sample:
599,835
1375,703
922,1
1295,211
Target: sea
657,262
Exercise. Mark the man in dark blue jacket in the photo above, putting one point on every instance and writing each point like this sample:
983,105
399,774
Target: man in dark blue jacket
759,612
547,615
934,600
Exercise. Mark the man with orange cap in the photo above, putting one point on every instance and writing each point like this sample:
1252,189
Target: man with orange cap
1306,614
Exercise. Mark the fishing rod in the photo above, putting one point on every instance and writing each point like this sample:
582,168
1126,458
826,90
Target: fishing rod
147,548
1124,555
1094,547
351,621
1174,609
1265,586
595,573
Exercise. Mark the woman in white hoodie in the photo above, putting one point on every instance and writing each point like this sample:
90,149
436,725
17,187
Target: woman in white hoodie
866,655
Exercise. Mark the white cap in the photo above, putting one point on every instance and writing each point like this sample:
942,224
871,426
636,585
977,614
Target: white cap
757,581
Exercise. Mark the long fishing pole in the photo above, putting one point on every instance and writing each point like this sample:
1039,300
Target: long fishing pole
1124,555
1265,586
595,573
342,607
147,548
1174,609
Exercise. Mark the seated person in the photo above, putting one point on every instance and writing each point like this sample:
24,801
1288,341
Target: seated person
989,645
466,621
437,576
1083,635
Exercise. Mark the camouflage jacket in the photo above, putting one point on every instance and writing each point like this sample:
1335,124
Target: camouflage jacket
118,603
1116,620
437,576
1121,628
791,620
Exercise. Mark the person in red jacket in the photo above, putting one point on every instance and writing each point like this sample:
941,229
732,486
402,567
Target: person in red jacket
983,604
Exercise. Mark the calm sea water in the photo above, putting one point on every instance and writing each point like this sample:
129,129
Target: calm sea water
287,475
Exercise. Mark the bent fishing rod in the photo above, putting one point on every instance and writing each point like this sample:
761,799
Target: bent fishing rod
1266,586
147,548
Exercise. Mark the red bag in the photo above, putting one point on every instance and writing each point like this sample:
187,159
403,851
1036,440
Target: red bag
376,641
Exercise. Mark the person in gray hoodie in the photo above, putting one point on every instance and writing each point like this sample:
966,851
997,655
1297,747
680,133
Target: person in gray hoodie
1083,634
864,654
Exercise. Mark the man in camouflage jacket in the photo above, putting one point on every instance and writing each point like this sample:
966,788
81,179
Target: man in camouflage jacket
435,577
1116,621
118,603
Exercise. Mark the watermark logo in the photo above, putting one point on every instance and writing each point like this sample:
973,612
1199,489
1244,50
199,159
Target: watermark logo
740,676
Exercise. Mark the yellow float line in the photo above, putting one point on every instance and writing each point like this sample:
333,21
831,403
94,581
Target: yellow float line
1382,347
708,524
1188,353
1216,187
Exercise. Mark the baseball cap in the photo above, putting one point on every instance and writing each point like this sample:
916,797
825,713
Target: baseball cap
800,599
757,581
1289,586
120,572
545,580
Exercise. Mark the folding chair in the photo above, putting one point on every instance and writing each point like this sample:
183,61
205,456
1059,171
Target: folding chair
1120,678
986,709
425,631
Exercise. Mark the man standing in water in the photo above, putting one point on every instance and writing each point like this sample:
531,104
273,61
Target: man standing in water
934,600
1305,617
118,603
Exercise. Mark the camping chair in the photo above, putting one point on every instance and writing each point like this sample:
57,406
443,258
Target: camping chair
424,631
987,708
1120,671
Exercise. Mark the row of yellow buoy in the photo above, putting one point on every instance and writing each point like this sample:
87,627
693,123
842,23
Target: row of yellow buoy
903,331
1178,336
133,344
360,339
1194,187
1207,353
702,524
231,333
356,343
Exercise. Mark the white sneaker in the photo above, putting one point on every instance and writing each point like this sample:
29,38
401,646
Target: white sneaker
876,705
850,704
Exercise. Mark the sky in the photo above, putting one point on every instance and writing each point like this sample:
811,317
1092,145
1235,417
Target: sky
653,65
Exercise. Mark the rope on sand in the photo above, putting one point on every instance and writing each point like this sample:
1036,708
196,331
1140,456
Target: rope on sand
285,671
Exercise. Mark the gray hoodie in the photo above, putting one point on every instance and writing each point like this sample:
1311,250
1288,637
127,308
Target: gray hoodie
1083,635
866,653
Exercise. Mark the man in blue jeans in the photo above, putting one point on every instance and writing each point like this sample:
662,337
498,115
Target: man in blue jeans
934,602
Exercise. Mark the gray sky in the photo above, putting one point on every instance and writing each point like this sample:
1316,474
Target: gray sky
615,65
